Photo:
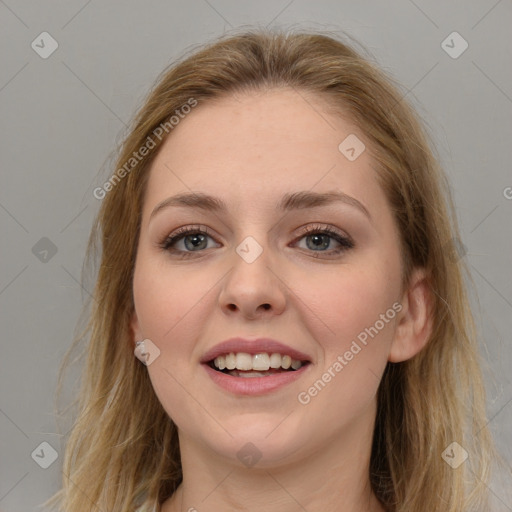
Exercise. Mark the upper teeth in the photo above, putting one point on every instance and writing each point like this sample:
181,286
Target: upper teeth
258,362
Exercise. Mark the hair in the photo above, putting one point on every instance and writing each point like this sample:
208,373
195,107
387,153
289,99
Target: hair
123,449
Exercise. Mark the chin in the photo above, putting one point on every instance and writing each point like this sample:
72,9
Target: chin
259,440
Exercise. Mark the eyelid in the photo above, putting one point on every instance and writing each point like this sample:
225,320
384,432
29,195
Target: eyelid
344,240
318,227
180,233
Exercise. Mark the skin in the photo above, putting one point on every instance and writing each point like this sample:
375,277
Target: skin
249,150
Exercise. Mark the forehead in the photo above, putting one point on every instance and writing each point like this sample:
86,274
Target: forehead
251,148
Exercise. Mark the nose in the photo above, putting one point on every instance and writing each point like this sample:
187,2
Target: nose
253,289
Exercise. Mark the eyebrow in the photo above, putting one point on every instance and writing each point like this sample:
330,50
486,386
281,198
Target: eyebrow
291,201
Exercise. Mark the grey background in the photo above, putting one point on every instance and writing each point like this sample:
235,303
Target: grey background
62,116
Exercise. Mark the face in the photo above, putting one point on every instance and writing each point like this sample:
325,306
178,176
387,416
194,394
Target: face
255,270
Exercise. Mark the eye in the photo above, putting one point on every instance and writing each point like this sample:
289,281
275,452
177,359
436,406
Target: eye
321,237
194,238
190,239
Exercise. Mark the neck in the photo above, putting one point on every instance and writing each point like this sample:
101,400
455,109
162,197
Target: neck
334,478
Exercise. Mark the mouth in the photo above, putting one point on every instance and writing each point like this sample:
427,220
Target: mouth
254,367
245,365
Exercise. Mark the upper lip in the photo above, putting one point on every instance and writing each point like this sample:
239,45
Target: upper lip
253,346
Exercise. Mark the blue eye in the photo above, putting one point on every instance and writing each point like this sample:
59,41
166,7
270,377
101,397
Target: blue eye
195,239
321,237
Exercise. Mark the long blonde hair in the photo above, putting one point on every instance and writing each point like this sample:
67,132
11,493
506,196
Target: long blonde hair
123,450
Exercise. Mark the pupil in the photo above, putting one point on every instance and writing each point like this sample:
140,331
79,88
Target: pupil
196,240
318,238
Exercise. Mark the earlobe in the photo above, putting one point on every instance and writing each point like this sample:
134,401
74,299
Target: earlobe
414,323
135,328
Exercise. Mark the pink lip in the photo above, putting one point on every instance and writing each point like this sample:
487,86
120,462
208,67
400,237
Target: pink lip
255,346
254,385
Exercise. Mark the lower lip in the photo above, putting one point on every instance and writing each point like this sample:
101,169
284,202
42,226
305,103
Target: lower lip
254,385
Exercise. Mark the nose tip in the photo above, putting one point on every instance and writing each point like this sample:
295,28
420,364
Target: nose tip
252,288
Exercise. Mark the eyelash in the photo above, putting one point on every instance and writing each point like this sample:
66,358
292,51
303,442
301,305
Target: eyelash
345,242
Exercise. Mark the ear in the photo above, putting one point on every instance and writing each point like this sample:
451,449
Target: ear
414,322
135,327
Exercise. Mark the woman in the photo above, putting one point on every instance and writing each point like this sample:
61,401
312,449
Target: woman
279,252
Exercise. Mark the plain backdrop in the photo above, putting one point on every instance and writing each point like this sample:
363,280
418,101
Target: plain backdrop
63,113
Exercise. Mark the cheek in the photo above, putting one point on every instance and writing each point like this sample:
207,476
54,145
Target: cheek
355,306
343,303
169,306
166,300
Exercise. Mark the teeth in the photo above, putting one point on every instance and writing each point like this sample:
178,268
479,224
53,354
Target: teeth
258,362
296,364
230,361
243,361
275,361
